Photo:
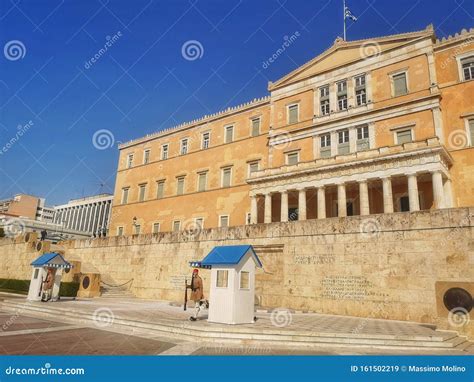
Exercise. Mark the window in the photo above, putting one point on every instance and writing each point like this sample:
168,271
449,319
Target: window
226,176
184,146
471,131
325,150
206,138
223,221
164,151
202,181
342,95
467,65
229,134
253,167
137,229
176,225
293,111
399,84
156,227
141,192
324,100
360,90
125,195
362,138
146,156
129,160
292,158
255,127
244,280
180,185
222,279
404,136
119,231
404,204
198,223
160,189
343,146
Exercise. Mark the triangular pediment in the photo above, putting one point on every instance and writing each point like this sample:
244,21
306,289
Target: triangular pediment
342,53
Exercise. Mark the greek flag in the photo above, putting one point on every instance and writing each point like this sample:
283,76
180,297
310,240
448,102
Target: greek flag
348,14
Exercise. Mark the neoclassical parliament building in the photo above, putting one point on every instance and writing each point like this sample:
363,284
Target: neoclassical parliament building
367,127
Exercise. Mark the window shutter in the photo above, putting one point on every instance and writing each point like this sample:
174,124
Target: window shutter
293,114
226,177
202,182
255,127
180,186
400,84
228,134
404,136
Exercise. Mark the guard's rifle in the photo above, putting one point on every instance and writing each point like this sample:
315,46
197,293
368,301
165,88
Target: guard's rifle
186,287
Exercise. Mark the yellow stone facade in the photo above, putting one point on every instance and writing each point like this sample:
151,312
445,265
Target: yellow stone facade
378,125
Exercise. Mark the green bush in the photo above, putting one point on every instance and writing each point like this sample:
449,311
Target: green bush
15,286
68,289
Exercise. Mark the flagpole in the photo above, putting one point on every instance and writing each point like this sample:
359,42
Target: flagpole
344,17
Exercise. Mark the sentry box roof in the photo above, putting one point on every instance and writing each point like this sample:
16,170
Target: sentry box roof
53,260
226,255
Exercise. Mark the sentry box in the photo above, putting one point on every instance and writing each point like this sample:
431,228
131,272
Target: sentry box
48,263
232,289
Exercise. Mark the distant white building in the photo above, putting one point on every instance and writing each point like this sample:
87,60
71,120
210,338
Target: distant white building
44,213
85,214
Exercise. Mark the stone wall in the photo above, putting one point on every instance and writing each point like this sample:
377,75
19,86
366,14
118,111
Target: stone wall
383,266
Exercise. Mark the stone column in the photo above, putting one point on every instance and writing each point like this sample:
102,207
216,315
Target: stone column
448,194
438,189
284,206
302,204
321,203
253,209
413,193
268,208
387,195
364,198
341,200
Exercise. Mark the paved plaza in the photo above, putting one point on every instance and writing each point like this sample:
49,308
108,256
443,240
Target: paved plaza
114,326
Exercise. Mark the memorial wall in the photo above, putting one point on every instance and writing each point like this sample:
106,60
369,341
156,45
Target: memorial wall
397,266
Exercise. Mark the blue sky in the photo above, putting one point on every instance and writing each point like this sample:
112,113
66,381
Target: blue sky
143,82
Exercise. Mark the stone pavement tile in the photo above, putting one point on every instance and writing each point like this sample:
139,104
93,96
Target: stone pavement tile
81,342
149,311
